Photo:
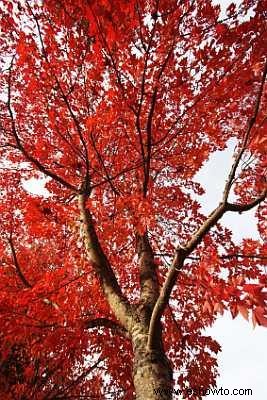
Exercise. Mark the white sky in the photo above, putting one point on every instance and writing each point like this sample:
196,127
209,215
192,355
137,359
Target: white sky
36,186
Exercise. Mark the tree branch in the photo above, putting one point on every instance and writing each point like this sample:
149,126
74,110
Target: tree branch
164,296
259,257
66,101
21,275
20,146
108,281
184,252
148,277
251,123
246,207
223,257
106,323
116,192
149,140
64,391
213,218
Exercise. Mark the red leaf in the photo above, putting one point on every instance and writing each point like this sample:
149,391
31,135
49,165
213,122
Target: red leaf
234,310
260,316
243,311
221,29
207,307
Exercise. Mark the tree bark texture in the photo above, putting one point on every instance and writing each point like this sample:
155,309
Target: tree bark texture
151,369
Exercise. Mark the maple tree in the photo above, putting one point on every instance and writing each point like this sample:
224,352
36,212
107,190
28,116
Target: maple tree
108,282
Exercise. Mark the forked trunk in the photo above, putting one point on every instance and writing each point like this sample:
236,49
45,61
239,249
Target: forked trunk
152,373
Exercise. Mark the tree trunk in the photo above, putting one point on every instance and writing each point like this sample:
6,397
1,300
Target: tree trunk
151,370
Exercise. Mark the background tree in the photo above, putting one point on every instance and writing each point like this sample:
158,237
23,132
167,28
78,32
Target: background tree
114,275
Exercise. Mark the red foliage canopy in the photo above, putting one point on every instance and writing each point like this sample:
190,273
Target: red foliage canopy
119,104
